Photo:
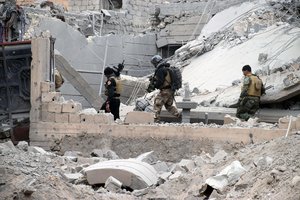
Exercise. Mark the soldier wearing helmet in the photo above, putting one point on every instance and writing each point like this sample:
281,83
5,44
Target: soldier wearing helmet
113,87
162,81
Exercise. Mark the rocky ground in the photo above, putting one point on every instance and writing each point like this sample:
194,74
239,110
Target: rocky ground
269,170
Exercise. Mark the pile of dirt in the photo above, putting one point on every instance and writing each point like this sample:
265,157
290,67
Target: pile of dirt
271,171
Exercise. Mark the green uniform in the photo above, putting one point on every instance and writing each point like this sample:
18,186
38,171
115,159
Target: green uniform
250,97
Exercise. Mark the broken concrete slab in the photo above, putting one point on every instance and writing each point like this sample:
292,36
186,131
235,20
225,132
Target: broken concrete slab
132,173
23,145
161,167
113,185
227,176
188,165
219,156
141,192
165,176
136,117
37,150
147,157
263,162
176,175
71,178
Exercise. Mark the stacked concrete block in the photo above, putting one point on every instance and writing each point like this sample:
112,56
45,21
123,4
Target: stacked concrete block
50,96
71,107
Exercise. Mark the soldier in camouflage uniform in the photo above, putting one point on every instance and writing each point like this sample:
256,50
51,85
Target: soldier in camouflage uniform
250,95
162,81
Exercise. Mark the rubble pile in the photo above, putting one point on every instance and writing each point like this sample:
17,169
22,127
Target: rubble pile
266,170
240,30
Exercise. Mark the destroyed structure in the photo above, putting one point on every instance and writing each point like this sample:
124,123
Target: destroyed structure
56,144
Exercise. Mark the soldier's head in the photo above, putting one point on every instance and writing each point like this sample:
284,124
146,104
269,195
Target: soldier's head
246,70
155,60
108,71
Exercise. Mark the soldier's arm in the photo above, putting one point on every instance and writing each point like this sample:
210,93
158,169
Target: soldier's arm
245,88
111,85
11,20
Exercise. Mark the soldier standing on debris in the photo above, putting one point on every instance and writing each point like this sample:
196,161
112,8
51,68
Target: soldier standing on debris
162,81
252,90
113,87
10,15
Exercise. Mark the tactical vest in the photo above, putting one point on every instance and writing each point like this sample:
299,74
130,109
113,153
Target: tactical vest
255,86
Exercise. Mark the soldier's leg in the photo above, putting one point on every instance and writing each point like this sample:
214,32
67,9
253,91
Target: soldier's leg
243,109
158,104
115,108
169,104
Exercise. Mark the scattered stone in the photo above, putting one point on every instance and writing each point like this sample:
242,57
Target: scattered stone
177,167
161,167
219,156
37,150
102,190
28,190
97,153
113,185
71,178
164,177
111,155
176,175
23,145
227,176
71,158
141,192
263,162
199,161
296,182
188,165
281,168
147,157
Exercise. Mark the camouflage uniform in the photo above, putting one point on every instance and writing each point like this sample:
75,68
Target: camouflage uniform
250,97
162,81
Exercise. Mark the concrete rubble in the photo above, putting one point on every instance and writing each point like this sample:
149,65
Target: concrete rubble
265,167
94,157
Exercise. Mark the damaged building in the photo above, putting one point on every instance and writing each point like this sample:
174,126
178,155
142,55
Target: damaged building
56,143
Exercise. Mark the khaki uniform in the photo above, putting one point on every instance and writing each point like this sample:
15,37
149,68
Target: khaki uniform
250,97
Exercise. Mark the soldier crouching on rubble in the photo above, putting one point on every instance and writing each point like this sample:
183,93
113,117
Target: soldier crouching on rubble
59,80
162,81
113,87
252,90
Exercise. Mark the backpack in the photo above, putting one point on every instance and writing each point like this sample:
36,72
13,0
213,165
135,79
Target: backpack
176,78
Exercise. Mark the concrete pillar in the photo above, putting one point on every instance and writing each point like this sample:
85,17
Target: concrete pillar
40,48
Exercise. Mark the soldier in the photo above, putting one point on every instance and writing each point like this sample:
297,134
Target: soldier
113,89
59,80
162,81
252,90
9,14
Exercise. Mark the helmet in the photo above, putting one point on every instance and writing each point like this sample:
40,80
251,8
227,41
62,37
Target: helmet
156,59
108,71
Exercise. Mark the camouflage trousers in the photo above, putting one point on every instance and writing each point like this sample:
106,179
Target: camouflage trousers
164,98
247,107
